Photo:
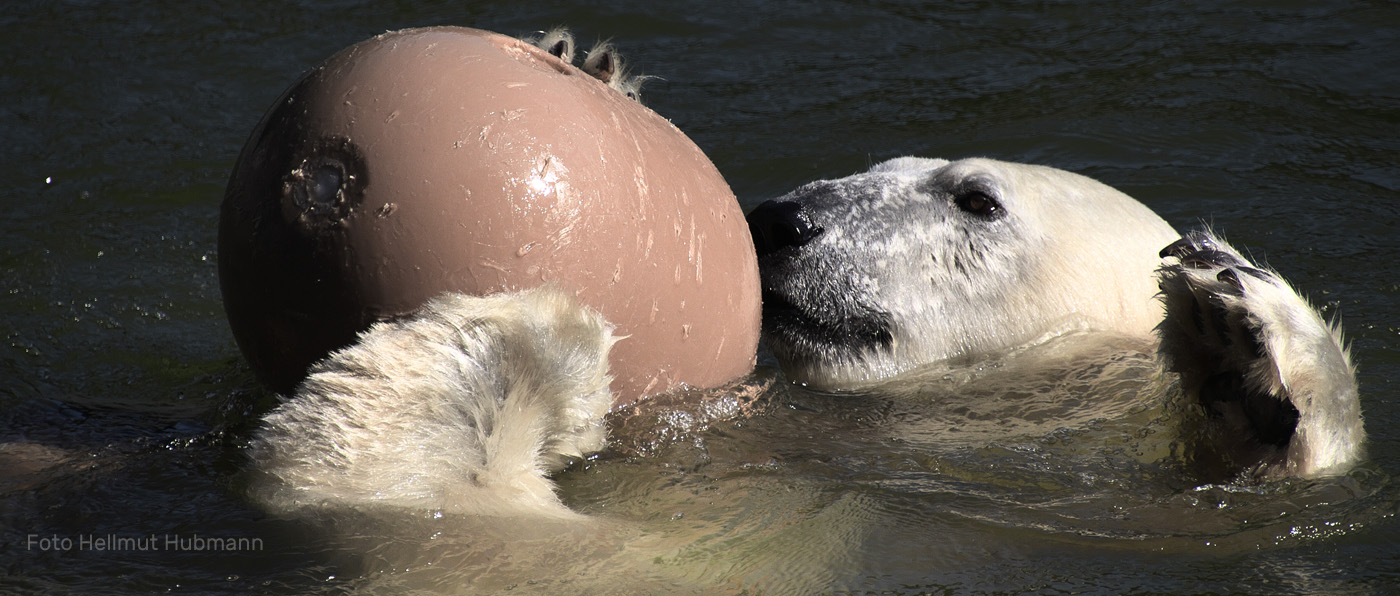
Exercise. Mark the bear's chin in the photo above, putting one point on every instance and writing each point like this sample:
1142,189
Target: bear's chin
826,352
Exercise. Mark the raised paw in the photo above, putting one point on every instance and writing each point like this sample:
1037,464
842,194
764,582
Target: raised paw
602,61
1207,315
1274,379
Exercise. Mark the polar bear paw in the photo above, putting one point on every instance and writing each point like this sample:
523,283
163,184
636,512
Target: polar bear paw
602,61
466,407
1275,380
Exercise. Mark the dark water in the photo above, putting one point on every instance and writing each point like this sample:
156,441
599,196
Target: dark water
1277,122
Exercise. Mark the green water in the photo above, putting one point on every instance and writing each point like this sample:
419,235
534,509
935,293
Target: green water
123,403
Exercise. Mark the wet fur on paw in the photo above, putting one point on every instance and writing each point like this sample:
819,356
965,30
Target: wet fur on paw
466,407
1275,381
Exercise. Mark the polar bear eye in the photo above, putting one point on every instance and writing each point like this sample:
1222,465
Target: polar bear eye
978,203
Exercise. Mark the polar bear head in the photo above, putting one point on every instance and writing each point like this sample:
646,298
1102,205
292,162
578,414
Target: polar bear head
920,260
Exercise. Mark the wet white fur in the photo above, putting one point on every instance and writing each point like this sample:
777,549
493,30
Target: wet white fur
1086,254
602,61
465,407
1304,360
1070,252
559,38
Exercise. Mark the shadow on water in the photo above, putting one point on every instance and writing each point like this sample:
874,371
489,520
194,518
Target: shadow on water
122,415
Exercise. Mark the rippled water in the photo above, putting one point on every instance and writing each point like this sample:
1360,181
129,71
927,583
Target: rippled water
124,399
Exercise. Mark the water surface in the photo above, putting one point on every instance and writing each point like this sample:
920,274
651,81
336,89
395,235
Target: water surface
124,399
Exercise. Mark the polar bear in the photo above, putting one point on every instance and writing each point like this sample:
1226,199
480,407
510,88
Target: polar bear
468,405
922,260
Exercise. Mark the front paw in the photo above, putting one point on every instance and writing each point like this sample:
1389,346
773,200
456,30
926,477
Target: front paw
1272,376
1208,317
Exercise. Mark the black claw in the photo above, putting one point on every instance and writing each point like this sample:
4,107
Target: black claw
559,48
1207,258
1197,261
1178,249
1196,251
1230,277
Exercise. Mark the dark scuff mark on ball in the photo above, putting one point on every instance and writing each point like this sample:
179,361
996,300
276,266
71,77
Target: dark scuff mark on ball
327,184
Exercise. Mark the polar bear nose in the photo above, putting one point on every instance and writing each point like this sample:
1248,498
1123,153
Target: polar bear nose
776,225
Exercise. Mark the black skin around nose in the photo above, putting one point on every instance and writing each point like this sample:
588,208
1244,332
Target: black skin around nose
777,225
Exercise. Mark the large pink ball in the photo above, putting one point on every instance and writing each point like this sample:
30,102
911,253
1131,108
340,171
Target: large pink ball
429,160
